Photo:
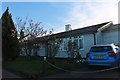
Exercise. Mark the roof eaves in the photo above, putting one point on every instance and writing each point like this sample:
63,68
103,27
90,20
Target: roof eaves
85,30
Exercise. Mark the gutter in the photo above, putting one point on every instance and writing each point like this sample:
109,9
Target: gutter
94,38
105,26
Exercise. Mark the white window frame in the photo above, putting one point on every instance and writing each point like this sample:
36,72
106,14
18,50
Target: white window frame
77,38
82,38
62,46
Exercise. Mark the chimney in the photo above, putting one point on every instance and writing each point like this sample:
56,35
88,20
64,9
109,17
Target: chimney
68,27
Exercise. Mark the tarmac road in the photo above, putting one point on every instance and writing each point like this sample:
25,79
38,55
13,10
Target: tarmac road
7,74
115,73
76,75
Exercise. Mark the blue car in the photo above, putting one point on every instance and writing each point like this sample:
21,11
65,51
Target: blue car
103,55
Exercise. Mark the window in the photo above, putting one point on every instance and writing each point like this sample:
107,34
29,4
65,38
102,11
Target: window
78,40
65,45
75,37
81,43
70,38
61,45
76,43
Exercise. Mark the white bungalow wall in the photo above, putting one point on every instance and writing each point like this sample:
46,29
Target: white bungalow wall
99,38
88,41
111,37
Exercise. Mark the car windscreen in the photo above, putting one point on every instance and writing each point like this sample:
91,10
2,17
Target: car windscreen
101,48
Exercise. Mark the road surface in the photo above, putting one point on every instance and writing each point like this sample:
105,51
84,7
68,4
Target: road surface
89,73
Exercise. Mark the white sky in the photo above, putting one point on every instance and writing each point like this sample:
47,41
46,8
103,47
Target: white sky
89,13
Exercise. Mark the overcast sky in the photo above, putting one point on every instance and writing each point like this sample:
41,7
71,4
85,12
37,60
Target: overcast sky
56,14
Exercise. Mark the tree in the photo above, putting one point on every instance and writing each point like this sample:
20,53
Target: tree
54,47
31,30
10,43
73,51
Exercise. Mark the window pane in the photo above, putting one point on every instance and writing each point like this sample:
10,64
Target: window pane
81,43
75,37
76,44
65,45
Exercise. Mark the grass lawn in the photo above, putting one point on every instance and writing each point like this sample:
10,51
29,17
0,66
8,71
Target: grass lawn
31,67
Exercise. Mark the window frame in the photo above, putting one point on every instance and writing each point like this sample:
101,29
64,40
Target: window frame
81,37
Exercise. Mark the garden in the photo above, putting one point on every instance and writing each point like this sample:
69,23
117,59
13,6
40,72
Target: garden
37,67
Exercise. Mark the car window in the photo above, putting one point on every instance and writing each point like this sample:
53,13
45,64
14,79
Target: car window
101,48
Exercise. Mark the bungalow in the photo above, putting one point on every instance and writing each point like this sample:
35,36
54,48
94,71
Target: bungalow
104,33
